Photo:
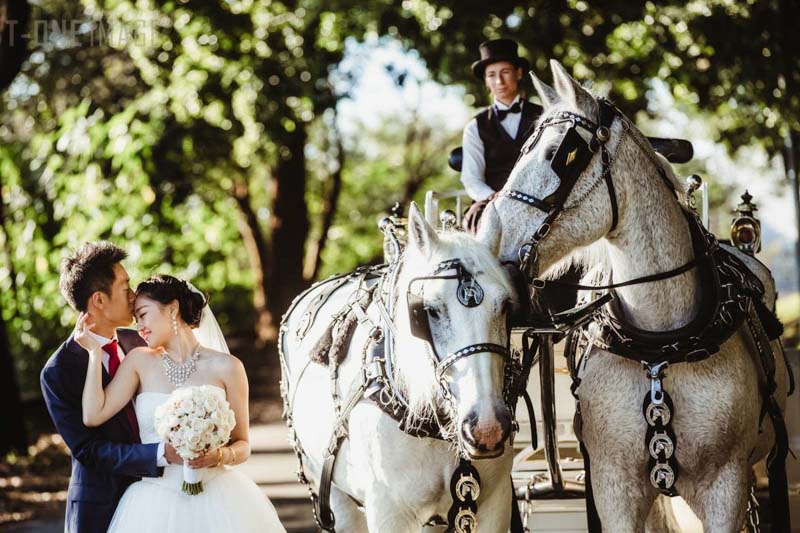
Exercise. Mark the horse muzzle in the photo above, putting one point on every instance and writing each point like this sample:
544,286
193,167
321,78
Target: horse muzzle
485,437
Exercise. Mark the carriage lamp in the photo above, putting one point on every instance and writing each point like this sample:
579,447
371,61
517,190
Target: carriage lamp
693,183
745,227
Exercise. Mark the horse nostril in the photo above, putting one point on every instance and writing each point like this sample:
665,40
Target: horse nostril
487,435
504,419
468,428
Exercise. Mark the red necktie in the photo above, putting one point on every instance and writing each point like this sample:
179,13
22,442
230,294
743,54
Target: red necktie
113,366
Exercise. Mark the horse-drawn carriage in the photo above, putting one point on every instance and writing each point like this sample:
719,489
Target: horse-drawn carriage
404,401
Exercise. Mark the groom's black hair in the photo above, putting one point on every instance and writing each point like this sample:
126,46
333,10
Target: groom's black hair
88,270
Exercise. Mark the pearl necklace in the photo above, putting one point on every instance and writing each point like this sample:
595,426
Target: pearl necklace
178,373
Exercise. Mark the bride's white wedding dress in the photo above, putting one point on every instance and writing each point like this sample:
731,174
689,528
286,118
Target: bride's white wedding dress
230,501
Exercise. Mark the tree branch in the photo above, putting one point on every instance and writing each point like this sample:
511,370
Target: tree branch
330,204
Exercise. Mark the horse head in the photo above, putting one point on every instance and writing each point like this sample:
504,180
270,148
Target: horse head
452,341
561,185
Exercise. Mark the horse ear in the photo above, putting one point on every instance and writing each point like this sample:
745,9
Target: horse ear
571,91
547,94
490,230
421,235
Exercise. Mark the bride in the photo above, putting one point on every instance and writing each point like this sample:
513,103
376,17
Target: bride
167,311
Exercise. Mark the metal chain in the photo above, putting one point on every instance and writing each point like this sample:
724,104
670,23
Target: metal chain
753,519
287,415
526,514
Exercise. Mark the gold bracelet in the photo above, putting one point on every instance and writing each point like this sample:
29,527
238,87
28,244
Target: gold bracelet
219,457
233,452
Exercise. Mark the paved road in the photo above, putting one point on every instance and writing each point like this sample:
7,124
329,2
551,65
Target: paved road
272,466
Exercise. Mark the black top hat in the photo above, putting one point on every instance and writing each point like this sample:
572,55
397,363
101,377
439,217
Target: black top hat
495,51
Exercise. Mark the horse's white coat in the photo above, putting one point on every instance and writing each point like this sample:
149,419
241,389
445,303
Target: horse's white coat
403,481
717,401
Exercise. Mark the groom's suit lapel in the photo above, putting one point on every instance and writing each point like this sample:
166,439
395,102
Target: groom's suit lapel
82,360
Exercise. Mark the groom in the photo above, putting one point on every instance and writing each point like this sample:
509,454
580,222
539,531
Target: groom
108,458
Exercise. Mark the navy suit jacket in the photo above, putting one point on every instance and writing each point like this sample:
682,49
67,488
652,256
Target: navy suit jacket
105,459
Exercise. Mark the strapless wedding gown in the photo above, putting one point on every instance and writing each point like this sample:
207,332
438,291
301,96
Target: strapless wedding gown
230,501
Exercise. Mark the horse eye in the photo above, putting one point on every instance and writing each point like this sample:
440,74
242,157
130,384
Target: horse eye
432,312
550,153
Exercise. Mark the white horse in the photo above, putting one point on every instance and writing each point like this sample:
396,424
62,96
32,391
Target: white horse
400,480
716,401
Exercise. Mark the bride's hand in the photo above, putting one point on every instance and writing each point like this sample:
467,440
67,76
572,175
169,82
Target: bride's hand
82,333
209,459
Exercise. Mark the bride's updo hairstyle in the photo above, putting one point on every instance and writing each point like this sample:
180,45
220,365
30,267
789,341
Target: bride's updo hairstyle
164,289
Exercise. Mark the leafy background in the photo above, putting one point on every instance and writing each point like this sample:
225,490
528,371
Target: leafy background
207,138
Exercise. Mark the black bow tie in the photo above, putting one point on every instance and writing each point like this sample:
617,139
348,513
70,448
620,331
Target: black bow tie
501,113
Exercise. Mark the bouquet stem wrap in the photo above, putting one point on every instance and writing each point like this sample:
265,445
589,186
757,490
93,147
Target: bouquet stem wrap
192,480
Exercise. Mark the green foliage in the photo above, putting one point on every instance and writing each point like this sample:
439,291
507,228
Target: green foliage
150,122
137,129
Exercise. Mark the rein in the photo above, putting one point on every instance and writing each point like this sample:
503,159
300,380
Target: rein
732,299
539,283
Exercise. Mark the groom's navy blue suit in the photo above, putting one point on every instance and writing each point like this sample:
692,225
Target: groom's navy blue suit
105,459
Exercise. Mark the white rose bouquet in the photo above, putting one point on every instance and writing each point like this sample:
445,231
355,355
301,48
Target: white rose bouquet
195,420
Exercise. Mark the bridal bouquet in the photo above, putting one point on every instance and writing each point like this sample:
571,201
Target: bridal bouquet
195,420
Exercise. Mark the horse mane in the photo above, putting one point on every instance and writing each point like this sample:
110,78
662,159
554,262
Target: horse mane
587,258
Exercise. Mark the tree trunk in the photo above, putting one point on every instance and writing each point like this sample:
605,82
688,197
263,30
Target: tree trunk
289,223
791,159
258,252
12,426
14,17
329,205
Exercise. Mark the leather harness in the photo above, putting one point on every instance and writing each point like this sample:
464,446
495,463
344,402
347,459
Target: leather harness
377,383
733,297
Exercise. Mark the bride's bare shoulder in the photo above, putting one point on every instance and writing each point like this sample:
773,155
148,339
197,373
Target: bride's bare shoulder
225,362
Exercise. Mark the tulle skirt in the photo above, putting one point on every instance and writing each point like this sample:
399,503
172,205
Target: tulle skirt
230,502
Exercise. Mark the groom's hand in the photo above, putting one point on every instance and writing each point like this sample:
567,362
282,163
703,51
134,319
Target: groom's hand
171,455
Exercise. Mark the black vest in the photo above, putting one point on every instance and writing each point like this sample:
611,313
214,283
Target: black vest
500,151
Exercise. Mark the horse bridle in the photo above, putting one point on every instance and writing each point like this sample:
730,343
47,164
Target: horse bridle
569,161
469,294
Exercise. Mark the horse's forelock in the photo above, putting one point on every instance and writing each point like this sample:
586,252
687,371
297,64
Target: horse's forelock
474,253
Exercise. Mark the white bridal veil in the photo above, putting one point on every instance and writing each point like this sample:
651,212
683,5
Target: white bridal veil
208,333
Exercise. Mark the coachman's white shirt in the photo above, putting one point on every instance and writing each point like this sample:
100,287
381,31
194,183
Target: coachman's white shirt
473,164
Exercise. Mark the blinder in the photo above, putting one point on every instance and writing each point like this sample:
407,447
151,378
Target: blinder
469,293
570,160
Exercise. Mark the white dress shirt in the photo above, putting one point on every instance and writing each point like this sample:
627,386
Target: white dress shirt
162,458
473,164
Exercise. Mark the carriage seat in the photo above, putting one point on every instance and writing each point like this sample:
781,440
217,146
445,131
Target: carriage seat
675,150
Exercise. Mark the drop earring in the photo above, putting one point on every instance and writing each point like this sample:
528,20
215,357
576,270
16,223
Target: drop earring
174,325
